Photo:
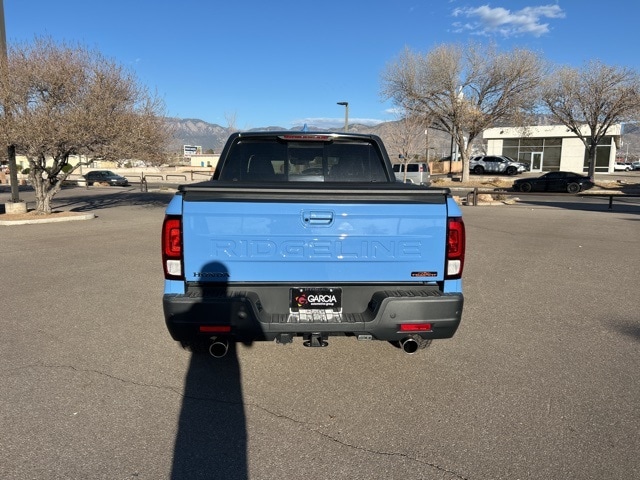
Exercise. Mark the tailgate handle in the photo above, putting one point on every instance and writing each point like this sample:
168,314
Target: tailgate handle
316,218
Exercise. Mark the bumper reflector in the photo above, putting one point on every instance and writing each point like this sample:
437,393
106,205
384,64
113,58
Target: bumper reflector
415,327
215,328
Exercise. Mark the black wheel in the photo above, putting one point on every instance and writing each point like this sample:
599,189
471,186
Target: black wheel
525,187
512,170
479,169
573,188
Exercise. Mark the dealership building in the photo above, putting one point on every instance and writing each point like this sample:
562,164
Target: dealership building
553,147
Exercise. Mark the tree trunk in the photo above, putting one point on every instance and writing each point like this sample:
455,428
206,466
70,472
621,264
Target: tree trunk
464,158
44,193
593,151
465,172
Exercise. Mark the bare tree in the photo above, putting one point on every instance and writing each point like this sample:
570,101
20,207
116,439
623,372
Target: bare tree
464,89
407,137
596,96
65,101
232,121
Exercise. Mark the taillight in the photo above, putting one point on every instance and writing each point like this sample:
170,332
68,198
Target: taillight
455,247
172,247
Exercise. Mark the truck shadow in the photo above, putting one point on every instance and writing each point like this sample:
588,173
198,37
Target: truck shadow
211,439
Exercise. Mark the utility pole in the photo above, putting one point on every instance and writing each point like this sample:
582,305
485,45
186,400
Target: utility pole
4,74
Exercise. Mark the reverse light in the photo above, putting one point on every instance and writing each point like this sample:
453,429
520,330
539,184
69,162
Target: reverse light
172,247
455,248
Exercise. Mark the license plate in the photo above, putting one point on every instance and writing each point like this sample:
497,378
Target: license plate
304,299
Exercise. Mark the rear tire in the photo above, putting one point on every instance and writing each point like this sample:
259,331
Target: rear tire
478,169
573,188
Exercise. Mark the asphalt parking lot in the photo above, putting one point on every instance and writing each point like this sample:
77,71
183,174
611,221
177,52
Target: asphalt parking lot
540,382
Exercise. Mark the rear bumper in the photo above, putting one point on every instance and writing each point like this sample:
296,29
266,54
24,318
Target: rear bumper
253,315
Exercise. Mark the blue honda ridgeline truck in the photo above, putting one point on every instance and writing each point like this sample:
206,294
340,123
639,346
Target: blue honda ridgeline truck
302,234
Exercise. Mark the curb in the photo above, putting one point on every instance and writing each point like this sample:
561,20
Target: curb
35,221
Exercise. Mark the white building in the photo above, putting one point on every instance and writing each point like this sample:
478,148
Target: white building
552,147
204,160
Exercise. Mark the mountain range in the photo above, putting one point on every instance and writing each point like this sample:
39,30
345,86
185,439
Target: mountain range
212,137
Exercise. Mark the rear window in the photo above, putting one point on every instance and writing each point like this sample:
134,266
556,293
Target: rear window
275,160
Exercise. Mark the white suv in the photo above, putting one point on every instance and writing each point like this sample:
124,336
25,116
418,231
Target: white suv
496,164
622,166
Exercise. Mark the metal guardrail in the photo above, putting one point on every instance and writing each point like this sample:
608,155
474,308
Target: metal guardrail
206,173
161,177
472,195
611,196
184,177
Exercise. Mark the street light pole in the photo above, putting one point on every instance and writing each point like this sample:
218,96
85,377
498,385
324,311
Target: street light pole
4,66
346,114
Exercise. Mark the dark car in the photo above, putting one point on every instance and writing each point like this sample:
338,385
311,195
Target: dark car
554,182
106,177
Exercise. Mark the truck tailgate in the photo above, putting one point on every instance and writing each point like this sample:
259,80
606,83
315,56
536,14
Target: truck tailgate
280,240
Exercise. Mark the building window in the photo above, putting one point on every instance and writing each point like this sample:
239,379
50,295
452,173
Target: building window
523,148
603,153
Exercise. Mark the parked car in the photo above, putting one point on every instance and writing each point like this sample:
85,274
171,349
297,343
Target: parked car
636,165
417,173
496,164
554,182
106,176
622,166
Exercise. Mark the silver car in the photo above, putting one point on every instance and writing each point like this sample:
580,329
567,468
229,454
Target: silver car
496,164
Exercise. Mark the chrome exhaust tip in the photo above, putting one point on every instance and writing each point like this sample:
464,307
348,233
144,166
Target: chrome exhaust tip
413,343
219,348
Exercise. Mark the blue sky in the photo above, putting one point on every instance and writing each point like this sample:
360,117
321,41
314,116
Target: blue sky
286,63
